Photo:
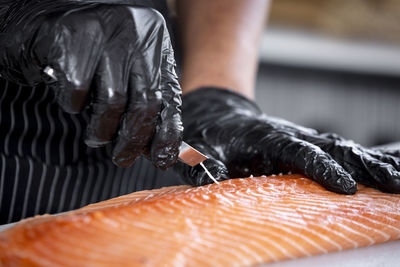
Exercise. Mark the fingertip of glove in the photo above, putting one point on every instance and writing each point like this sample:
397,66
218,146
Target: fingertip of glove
340,182
215,167
164,164
95,143
347,186
333,177
165,157
123,162
70,109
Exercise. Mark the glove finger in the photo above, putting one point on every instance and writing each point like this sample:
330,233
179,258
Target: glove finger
390,151
394,153
139,121
373,172
363,167
168,137
386,158
298,155
321,140
109,100
196,175
73,54
137,128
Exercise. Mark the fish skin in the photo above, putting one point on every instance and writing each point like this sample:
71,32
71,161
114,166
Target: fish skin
240,222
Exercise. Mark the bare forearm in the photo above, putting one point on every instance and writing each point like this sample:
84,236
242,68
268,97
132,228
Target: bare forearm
220,41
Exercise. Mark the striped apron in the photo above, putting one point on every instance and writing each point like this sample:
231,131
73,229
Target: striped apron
45,167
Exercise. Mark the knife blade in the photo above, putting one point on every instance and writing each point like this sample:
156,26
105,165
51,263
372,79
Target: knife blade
192,157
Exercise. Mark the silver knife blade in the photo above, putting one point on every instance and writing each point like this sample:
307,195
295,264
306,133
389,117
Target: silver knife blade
190,155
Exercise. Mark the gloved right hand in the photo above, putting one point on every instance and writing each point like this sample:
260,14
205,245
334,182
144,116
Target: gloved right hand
240,140
117,59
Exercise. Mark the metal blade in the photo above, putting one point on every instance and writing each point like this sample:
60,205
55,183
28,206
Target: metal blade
190,156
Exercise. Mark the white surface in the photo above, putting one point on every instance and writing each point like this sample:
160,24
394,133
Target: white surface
382,255
5,226
298,48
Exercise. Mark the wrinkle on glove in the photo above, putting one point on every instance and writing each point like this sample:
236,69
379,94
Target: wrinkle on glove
113,58
242,141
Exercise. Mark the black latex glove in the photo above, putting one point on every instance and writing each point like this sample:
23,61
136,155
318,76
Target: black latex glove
116,59
241,141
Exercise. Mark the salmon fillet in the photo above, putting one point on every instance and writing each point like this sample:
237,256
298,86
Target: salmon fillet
240,222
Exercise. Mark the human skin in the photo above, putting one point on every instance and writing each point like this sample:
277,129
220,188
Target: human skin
220,41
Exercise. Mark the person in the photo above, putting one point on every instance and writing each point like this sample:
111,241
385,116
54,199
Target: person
81,137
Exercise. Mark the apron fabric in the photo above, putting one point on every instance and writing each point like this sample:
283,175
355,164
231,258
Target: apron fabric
45,167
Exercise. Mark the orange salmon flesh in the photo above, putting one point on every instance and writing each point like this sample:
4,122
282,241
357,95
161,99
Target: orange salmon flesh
240,222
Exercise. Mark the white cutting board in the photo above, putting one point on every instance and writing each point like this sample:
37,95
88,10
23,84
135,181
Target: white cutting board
5,226
381,255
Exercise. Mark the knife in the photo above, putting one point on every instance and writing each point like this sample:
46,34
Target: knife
192,157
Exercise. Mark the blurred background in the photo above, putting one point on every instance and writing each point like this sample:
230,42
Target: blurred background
334,65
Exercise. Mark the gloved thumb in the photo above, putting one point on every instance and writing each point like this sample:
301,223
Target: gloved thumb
196,175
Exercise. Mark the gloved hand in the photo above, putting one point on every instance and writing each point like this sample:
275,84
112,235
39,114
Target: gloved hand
240,140
115,59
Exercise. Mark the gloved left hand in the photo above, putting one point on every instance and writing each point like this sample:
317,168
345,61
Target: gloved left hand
114,58
240,141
